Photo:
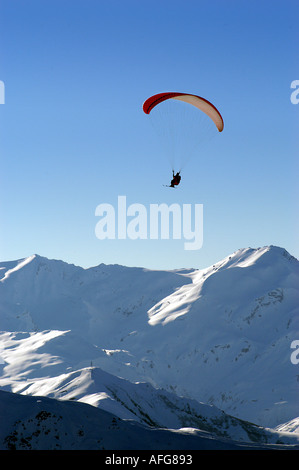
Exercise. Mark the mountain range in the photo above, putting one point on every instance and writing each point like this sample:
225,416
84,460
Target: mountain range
206,352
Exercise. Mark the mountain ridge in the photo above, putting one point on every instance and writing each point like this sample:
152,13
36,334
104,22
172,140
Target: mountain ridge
41,423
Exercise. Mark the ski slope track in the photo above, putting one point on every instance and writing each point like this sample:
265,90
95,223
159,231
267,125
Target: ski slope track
196,353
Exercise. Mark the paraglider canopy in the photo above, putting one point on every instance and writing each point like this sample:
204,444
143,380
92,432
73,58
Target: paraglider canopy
184,124
201,103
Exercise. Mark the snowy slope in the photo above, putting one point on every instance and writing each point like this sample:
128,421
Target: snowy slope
292,426
39,423
153,407
221,335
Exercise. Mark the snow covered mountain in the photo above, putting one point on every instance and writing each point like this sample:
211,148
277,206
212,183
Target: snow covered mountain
220,336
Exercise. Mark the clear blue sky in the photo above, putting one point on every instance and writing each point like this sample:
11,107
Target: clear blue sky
73,134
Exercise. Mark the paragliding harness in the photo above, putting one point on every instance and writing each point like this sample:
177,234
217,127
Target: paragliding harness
175,180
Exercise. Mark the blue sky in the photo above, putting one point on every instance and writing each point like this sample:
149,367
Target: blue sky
73,134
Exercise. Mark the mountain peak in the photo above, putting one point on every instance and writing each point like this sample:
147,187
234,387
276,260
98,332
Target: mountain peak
245,257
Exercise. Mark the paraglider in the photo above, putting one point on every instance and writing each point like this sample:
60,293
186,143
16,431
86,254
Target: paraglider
175,127
175,179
